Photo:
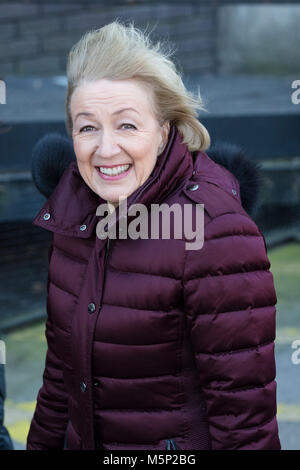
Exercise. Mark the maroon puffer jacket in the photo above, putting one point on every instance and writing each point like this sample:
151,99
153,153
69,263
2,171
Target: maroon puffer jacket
150,345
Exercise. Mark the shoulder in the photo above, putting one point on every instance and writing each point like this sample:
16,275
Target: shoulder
225,218
226,179
215,187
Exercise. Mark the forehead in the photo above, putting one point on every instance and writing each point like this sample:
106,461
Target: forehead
106,92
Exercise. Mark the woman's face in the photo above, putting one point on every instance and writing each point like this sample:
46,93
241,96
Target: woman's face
116,148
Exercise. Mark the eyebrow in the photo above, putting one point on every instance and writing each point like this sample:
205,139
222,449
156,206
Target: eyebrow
119,111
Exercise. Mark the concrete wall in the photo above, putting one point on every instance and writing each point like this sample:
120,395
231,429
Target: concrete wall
35,37
261,39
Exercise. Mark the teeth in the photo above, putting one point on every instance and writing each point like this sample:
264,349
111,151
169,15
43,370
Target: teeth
114,171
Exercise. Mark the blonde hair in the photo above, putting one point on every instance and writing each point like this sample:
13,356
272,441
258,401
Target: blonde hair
118,51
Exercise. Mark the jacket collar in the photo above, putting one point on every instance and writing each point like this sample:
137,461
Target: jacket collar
71,208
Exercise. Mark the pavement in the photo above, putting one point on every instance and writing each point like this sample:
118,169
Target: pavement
26,349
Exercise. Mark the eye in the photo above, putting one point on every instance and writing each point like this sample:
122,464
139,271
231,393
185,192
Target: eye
131,125
86,127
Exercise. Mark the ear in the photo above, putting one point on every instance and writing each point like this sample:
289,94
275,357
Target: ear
165,134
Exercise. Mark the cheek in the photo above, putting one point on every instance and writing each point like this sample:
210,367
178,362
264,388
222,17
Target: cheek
82,152
144,156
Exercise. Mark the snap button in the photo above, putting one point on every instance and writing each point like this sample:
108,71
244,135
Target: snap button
193,187
194,172
82,227
91,307
46,216
96,383
234,192
83,386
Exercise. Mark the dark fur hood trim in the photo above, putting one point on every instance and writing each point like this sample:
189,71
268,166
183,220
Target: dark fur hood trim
54,152
247,172
50,157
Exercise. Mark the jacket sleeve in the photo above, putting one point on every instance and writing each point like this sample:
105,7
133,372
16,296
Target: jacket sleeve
229,300
49,422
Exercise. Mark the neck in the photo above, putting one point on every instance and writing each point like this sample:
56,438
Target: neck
112,206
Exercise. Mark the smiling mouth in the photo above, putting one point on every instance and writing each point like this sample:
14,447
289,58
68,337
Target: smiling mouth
114,170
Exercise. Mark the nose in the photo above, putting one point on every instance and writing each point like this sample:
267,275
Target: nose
108,144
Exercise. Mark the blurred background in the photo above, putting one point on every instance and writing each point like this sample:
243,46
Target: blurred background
245,56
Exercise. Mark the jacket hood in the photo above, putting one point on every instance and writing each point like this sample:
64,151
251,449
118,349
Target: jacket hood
54,152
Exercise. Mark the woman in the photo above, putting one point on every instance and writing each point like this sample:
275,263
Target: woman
150,345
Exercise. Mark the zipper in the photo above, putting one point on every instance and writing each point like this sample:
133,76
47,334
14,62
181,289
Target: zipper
104,273
96,441
106,252
170,444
